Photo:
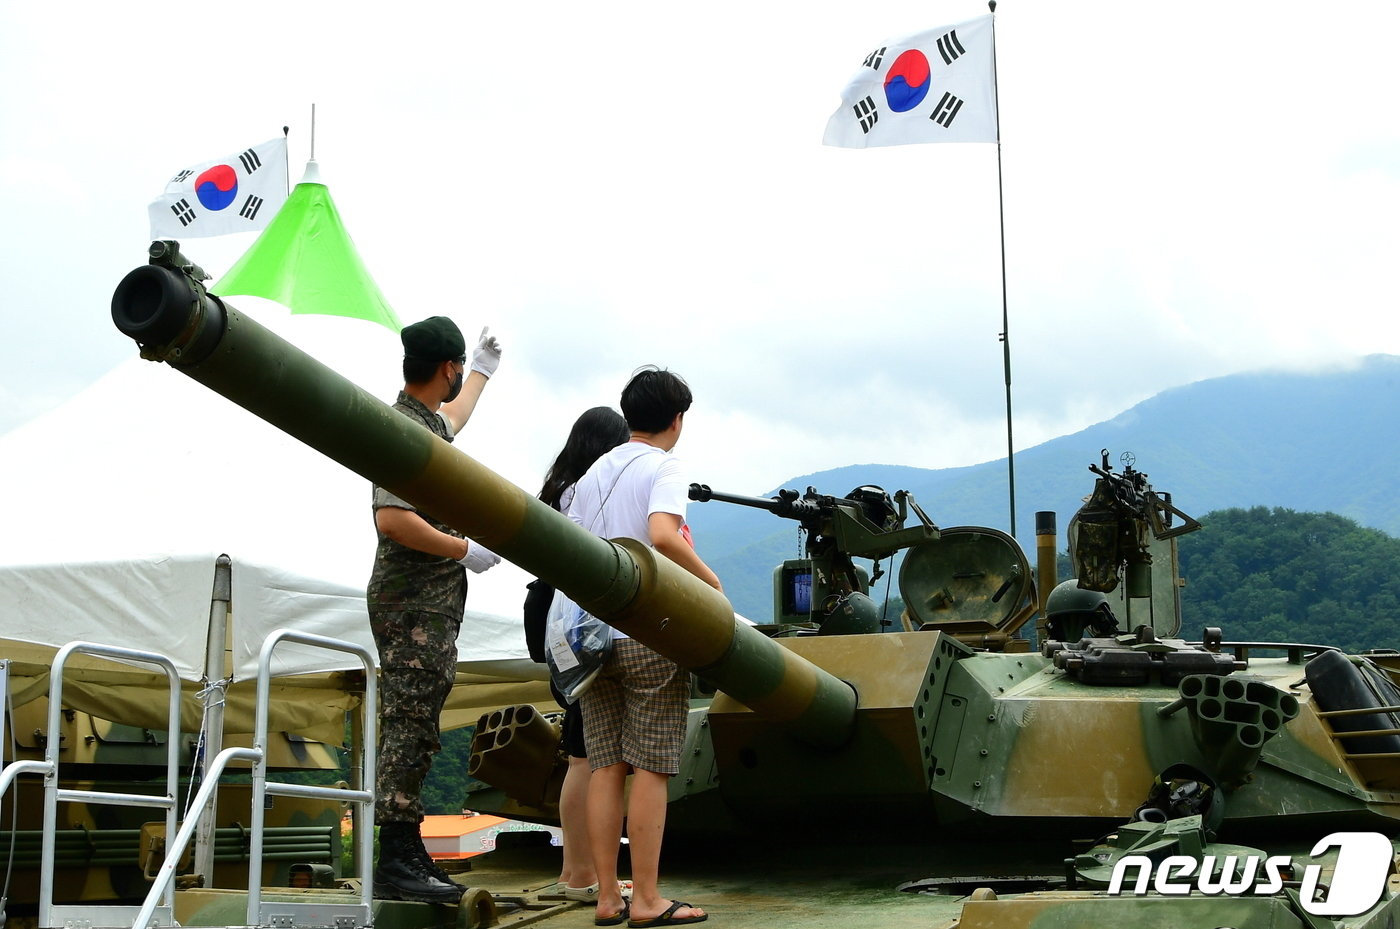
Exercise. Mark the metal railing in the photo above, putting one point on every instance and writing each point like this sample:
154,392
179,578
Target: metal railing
258,913
158,907
1342,736
161,904
364,760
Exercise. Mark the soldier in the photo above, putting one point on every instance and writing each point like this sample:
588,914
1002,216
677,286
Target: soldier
417,594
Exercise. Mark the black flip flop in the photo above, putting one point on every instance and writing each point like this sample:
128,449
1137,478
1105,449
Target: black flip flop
668,918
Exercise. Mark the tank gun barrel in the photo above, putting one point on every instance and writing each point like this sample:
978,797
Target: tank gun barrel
165,308
867,523
786,504
701,493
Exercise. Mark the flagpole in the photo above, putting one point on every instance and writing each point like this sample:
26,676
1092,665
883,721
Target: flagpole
1005,325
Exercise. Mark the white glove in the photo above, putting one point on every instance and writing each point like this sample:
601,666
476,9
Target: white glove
487,354
478,558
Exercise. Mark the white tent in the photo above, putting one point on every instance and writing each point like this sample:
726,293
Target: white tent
122,498
160,603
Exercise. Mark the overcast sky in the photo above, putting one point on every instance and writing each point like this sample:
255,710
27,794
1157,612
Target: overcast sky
1191,190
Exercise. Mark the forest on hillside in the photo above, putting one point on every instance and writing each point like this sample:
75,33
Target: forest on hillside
1273,575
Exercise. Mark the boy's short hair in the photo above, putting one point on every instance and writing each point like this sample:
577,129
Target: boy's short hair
653,398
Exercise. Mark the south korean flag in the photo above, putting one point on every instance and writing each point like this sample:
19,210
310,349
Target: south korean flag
238,193
937,86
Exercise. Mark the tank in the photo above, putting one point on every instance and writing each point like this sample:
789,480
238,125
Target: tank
1134,777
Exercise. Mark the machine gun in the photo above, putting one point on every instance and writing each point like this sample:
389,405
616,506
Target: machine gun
826,587
1110,533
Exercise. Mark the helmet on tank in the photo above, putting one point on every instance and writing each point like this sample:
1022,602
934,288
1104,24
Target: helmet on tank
1070,610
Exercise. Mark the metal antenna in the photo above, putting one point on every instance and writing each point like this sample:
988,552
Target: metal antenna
1005,336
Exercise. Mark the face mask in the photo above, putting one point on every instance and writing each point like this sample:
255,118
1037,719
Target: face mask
456,387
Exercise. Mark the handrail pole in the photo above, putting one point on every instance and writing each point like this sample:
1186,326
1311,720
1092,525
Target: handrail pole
172,766
369,763
262,708
175,848
14,769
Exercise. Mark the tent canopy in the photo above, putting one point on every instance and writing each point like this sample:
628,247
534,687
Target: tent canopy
161,604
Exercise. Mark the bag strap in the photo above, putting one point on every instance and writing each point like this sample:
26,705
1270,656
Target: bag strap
602,511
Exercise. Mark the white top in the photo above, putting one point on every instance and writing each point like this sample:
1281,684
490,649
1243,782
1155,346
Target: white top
615,498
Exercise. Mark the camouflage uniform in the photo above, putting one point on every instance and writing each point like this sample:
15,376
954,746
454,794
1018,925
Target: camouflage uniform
416,602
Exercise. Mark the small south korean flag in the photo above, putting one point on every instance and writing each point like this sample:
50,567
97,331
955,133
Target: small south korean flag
235,194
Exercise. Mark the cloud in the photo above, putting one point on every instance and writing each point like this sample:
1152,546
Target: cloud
1183,197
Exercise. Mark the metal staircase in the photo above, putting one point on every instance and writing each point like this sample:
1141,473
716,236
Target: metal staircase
158,908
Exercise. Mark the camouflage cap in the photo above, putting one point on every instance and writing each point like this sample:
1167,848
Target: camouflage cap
436,338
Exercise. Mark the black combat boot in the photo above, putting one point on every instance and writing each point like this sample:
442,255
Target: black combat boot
401,875
433,867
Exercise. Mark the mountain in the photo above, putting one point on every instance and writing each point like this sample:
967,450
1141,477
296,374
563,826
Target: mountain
1321,442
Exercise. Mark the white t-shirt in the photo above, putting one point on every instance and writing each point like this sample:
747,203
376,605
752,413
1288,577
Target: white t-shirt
615,498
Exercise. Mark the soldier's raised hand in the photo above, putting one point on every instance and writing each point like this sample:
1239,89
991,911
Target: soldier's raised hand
487,354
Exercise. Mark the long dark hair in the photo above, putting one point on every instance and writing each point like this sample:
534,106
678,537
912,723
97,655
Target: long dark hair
596,431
